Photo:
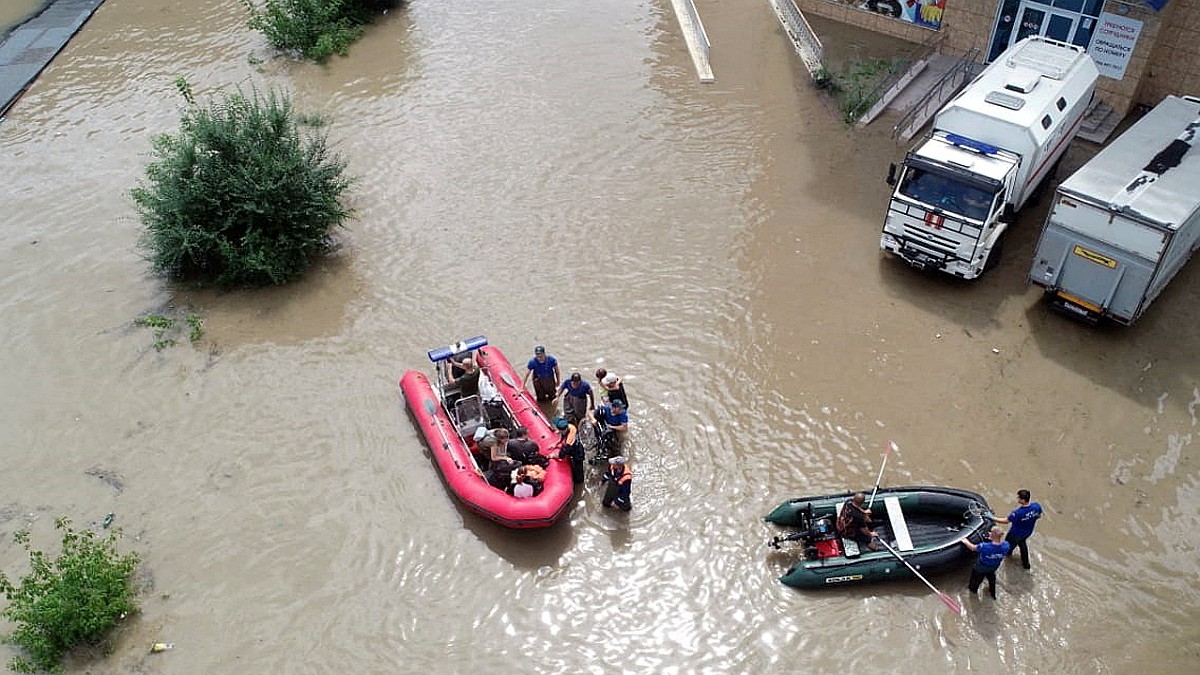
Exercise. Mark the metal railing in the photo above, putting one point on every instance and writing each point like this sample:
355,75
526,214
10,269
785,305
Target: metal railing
951,82
805,40
879,96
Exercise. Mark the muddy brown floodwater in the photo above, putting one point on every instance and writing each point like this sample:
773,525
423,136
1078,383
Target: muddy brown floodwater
553,173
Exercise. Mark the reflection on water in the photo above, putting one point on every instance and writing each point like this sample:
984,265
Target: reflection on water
555,175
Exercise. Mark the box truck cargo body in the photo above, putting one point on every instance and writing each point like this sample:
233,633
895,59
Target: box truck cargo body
1124,224
991,147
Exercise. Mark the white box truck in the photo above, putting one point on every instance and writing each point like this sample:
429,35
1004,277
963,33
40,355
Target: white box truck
990,148
1127,221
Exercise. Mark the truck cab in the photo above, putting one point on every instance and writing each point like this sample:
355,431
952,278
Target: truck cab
947,204
991,148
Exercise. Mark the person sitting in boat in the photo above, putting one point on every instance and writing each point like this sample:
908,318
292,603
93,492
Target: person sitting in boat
502,436
854,523
532,474
500,472
468,380
611,386
524,450
482,457
522,489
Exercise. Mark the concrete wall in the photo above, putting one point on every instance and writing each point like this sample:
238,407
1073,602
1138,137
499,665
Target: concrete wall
1175,62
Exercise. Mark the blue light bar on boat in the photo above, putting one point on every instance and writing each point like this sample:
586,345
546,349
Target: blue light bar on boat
972,144
470,344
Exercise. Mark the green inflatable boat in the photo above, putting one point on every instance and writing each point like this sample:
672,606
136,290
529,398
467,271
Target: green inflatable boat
924,525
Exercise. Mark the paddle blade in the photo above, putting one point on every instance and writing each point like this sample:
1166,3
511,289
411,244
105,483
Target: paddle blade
951,603
508,380
891,447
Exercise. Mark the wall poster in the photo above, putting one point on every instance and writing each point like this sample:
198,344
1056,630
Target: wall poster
924,13
1113,43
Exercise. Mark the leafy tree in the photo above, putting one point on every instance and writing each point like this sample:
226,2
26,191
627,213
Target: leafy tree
316,29
71,600
240,196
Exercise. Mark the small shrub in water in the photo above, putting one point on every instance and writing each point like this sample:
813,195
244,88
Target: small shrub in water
315,29
240,197
71,600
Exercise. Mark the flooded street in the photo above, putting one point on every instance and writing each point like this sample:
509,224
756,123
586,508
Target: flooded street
554,174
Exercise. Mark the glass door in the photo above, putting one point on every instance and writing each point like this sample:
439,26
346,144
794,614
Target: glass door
1039,19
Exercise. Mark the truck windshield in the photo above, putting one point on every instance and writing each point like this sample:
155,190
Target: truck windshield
947,193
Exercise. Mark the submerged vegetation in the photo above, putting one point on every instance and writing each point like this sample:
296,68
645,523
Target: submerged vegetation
74,599
314,29
167,329
241,196
858,87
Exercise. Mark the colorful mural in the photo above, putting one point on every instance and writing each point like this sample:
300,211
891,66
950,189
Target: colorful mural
924,13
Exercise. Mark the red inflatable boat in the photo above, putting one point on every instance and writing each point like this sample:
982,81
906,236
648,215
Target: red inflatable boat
447,418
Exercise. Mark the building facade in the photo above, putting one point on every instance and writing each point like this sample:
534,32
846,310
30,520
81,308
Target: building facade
1145,49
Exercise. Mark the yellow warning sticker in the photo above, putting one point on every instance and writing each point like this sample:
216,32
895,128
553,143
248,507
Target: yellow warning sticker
1094,257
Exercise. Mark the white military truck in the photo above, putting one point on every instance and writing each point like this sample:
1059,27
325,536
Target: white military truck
990,149
1127,221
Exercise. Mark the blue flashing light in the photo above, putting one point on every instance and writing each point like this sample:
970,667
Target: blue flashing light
470,344
972,144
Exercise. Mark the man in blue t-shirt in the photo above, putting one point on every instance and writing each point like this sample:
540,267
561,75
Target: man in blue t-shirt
544,369
610,423
577,398
991,554
1021,522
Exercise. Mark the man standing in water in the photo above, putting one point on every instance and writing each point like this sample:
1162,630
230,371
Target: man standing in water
991,554
544,369
1022,521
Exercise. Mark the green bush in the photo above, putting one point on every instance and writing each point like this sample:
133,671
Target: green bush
72,600
240,197
316,29
856,88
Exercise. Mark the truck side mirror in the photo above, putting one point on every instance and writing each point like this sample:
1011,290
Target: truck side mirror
891,177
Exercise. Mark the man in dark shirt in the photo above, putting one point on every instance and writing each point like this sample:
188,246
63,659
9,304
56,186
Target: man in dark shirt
524,450
468,382
854,523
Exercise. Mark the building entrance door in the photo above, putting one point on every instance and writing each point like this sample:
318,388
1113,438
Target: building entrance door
1071,21
1038,19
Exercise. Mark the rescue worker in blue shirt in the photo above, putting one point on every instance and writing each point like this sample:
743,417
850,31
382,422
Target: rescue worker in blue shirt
1022,521
991,554
610,423
544,369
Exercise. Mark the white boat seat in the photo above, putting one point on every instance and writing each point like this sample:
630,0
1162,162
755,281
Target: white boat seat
849,546
468,413
899,525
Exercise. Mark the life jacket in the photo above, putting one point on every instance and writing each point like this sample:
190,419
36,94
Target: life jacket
621,478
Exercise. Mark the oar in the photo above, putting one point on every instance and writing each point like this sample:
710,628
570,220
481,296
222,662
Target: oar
431,408
890,447
949,601
507,379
